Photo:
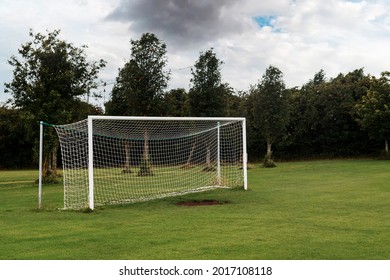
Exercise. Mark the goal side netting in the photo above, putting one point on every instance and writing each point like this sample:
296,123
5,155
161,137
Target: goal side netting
108,160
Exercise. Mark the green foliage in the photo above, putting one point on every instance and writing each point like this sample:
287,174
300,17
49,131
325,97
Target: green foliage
15,149
373,110
208,95
322,117
49,78
139,87
176,103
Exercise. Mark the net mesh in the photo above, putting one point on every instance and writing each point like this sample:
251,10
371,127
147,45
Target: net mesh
141,159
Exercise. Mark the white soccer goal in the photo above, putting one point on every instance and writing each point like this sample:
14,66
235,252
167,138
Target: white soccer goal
109,160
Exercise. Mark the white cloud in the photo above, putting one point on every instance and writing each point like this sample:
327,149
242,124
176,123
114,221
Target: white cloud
335,35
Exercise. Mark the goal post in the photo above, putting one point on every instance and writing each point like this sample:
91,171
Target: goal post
40,164
91,180
117,159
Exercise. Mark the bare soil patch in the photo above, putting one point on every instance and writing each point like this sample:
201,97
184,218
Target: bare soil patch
207,202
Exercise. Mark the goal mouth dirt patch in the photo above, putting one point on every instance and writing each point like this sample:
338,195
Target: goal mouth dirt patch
207,202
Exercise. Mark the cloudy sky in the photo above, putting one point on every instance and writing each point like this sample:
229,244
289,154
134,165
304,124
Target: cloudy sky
300,37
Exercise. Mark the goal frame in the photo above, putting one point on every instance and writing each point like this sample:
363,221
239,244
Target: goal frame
90,120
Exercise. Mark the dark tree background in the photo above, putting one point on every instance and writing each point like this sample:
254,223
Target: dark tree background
347,115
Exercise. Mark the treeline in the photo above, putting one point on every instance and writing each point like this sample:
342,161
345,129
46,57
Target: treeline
343,116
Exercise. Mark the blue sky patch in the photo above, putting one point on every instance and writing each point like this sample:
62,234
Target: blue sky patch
264,21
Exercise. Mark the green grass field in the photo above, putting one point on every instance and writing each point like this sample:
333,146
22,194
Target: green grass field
300,210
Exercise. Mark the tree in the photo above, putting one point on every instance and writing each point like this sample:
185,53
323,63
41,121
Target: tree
49,78
207,96
176,103
270,108
139,88
140,84
373,110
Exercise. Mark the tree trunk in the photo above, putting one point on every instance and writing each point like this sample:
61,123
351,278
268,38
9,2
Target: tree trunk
146,145
127,157
191,154
54,161
386,146
145,167
208,166
45,166
127,154
268,162
269,147
49,166
189,159
208,157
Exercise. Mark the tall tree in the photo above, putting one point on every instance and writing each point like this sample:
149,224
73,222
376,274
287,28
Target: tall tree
139,88
49,78
373,110
270,108
207,96
140,84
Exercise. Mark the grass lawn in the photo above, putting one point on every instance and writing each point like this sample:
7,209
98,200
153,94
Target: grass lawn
300,210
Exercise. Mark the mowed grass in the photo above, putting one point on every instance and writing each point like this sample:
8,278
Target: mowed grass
299,210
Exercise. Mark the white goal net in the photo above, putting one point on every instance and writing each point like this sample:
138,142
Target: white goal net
109,160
